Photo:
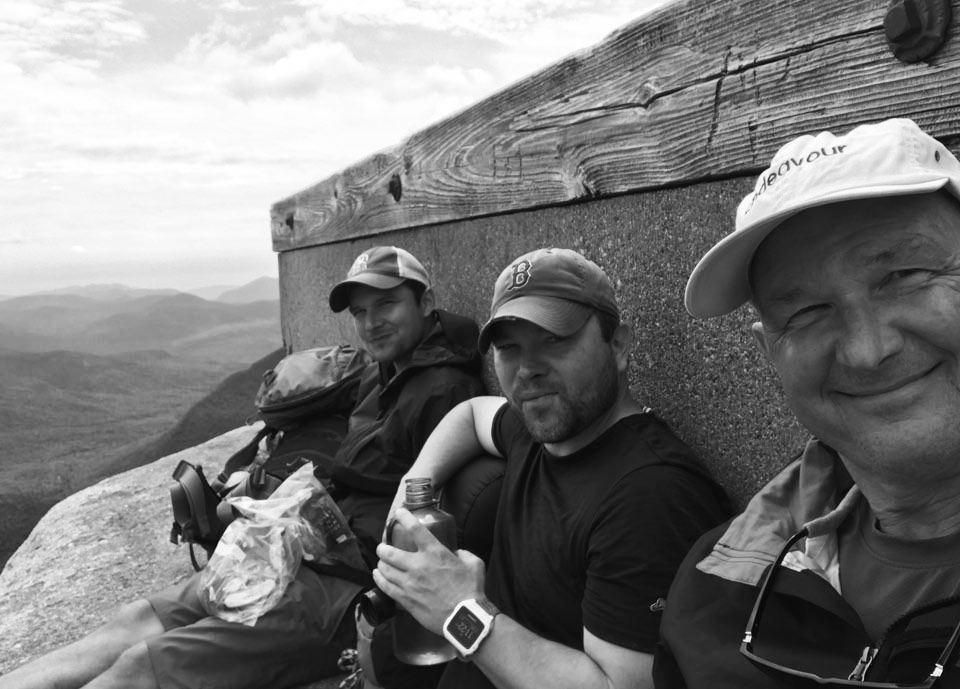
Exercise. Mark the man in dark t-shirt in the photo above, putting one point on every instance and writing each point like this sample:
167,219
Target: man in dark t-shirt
600,501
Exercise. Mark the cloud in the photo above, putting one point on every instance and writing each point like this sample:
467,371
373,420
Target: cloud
302,72
144,130
9,237
49,35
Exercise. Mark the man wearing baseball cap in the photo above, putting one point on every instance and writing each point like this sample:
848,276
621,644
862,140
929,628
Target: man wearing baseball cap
599,503
425,362
844,569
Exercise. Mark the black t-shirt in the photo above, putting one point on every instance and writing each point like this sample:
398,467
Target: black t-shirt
593,539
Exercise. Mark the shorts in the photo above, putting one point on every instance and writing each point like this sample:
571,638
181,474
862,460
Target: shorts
297,642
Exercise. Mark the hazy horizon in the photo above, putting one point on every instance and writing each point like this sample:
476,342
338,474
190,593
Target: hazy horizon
91,285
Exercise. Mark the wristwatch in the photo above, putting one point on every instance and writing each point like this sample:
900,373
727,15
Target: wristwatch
469,624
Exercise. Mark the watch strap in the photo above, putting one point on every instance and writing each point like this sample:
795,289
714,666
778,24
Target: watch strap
488,605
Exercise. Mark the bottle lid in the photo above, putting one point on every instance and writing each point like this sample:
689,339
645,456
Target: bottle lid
419,493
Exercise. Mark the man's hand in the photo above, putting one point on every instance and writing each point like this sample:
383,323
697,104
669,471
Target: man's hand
429,582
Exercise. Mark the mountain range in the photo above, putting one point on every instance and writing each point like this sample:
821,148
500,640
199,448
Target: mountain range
102,378
240,325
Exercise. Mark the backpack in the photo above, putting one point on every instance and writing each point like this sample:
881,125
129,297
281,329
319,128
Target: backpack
305,402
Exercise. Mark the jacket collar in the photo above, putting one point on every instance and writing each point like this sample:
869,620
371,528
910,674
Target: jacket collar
450,341
813,491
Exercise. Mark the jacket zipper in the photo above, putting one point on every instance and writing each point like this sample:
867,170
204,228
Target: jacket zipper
938,670
866,658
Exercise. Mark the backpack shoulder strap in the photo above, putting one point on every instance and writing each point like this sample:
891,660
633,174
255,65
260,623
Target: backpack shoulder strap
245,456
341,571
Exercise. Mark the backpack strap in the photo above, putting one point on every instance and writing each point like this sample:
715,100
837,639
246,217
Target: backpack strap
341,571
245,456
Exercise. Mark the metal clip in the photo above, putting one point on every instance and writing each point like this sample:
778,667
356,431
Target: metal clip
866,658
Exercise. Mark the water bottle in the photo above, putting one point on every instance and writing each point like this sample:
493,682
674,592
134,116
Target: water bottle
412,643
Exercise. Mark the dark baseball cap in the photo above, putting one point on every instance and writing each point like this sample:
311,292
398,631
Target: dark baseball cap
555,289
382,267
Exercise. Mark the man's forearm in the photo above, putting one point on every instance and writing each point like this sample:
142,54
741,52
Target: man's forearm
513,657
464,433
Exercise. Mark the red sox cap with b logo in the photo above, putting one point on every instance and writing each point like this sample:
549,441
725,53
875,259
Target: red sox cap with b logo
556,289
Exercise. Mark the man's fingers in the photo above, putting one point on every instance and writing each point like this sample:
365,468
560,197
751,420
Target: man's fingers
468,558
389,579
385,585
395,557
419,534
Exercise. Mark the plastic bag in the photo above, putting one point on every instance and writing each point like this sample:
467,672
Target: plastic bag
260,551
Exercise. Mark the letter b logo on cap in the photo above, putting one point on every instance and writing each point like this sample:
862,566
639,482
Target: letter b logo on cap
521,275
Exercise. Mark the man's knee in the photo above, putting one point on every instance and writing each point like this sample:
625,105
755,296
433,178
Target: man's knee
137,620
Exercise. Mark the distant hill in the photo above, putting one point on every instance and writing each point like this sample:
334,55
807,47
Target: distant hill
189,326
179,323
261,289
229,405
66,418
59,315
106,292
102,378
210,292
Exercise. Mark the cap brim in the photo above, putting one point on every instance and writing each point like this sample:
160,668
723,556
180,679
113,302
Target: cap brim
559,316
340,294
720,282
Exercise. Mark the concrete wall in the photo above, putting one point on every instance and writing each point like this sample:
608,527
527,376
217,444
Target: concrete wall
707,379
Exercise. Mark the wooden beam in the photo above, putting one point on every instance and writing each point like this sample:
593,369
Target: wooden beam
702,89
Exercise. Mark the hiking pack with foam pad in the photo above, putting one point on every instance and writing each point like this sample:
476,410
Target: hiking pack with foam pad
305,403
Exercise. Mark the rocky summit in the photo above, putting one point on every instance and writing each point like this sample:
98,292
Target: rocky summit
97,549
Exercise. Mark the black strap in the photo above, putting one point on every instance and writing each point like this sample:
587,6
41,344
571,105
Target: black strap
341,571
193,559
245,456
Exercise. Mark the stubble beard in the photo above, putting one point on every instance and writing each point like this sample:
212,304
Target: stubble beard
573,413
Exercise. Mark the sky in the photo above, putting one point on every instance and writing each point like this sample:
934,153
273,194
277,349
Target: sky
142,142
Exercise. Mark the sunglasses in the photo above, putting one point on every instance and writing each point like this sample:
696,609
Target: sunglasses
924,630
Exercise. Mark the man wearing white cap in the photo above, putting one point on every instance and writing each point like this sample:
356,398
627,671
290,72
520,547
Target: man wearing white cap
425,362
599,503
845,569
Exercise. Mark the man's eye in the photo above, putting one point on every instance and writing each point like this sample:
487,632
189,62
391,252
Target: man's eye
907,275
805,315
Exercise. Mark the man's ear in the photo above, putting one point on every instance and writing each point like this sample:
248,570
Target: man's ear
761,337
621,342
428,302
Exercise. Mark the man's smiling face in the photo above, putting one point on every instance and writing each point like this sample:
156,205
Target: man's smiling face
860,316
390,322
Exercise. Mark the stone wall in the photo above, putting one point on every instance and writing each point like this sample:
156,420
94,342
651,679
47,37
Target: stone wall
706,378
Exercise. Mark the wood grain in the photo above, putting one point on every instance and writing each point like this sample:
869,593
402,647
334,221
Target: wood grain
700,90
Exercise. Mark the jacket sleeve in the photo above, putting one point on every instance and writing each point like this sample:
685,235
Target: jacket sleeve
443,389
703,623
